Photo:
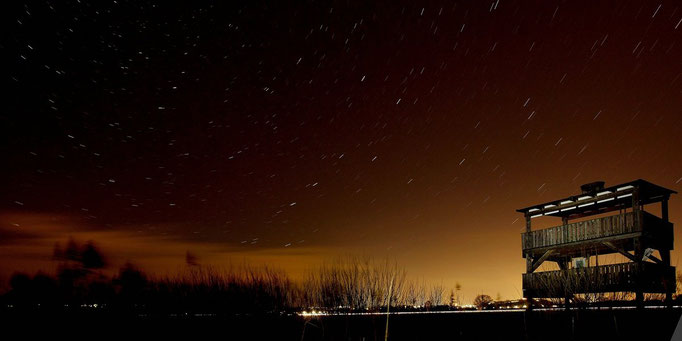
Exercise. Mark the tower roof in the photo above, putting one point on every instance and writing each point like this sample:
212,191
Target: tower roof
595,199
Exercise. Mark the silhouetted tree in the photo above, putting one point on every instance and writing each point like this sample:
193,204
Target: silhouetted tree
44,290
101,292
482,301
191,259
132,283
458,287
57,252
72,251
19,281
91,257
39,291
87,257
20,284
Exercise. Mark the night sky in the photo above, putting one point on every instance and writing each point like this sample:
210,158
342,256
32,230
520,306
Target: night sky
290,133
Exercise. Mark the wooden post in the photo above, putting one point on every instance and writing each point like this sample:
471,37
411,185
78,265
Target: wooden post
563,265
529,263
639,250
665,254
664,209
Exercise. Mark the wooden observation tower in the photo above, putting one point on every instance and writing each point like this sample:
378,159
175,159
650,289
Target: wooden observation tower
587,232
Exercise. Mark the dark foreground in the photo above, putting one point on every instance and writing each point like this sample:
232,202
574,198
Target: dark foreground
651,324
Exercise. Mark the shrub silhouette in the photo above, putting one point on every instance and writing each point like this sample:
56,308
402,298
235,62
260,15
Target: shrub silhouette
132,283
350,284
27,292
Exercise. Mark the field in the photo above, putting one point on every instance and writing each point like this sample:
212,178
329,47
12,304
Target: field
252,303
628,324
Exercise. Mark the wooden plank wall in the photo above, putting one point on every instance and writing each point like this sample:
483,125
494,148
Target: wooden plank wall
580,231
606,278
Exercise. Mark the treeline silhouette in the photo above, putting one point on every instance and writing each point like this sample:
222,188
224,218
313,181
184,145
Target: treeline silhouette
346,284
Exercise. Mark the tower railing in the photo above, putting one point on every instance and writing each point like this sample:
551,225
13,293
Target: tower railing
600,279
619,224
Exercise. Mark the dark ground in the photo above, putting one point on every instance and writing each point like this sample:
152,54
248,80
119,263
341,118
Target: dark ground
653,324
